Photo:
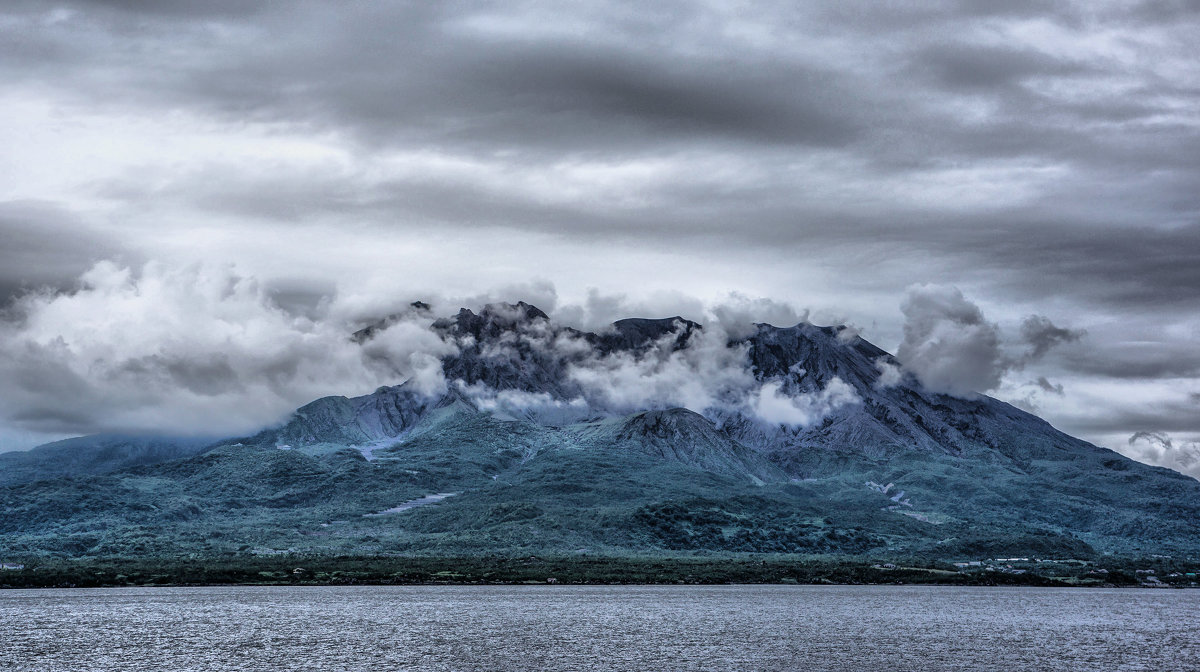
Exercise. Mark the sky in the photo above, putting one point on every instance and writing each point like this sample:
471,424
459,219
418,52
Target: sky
196,199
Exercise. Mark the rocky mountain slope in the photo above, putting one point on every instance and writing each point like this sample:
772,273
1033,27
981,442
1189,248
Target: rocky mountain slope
654,436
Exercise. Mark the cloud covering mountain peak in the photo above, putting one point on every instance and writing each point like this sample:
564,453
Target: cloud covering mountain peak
205,350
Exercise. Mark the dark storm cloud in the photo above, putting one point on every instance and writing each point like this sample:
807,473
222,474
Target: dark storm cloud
43,245
1040,334
1101,263
1176,417
962,66
208,374
1142,269
1048,386
1113,223
403,76
403,73
1152,358
1159,11
751,101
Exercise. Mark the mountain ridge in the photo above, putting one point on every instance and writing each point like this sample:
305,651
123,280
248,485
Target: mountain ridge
552,439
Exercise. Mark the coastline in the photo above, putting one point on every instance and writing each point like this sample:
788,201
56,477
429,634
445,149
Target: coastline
563,570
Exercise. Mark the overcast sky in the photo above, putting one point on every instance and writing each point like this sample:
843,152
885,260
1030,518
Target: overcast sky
1025,172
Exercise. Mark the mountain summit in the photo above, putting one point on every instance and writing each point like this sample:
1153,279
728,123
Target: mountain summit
658,436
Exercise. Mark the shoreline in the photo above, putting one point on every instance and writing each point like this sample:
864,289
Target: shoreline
534,570
532,584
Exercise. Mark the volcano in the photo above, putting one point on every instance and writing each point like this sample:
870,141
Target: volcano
650,437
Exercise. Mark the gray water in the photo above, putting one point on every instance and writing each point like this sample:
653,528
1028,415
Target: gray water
881,628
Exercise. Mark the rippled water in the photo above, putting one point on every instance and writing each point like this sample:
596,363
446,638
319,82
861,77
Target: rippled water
600,628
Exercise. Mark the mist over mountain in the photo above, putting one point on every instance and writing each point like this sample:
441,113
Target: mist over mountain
658,436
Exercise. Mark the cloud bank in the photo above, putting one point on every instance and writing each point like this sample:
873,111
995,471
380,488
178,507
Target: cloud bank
205,350
197,350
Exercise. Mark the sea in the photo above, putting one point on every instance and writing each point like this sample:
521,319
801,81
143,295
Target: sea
596,628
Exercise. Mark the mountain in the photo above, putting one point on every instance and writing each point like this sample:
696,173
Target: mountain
95,454
654,436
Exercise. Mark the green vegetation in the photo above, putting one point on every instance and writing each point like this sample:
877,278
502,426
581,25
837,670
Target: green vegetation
606,502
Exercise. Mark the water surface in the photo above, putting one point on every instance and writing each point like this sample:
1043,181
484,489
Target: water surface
599,628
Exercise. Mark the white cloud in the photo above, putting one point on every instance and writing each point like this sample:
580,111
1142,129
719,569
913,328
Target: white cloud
704,375
773,406
1161,449
707,375
738,314
197,350
538,406
890,375
204,349
596,311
